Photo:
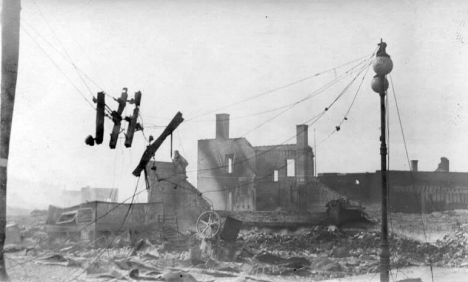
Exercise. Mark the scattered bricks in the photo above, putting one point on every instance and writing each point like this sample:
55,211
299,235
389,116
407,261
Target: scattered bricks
340,252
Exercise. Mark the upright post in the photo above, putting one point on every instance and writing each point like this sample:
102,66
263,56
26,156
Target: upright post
10,53
383,65
315,155
117,118
385,252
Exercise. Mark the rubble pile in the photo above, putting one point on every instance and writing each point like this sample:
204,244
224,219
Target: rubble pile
358,252
454,248
321,252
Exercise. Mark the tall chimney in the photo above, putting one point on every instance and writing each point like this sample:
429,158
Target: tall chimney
301,153
302,136
414,165
222,126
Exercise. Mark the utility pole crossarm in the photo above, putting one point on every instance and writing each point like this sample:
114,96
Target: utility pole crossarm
151,149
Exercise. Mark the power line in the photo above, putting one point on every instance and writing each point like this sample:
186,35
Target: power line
310,122
79,72
62,55
275,89
115,235
411,172
56,65
334,81
349,108
312,95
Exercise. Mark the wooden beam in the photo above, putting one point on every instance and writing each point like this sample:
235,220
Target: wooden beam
151,149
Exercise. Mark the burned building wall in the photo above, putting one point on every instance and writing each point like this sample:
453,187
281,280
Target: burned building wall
238,177
283,174
276,189
226,169
409,191
168,184
226,173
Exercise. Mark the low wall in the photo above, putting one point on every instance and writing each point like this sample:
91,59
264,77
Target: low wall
427,199
275,218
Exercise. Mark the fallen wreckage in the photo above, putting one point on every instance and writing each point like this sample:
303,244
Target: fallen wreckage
218,230
97,222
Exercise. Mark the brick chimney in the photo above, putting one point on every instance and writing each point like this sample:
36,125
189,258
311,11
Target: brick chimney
222,126
302,136
414,166
444,165
302,140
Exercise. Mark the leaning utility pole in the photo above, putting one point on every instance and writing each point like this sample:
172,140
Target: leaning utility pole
151,149
10,53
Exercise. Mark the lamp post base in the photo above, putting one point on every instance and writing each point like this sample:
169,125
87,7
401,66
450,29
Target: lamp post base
384,262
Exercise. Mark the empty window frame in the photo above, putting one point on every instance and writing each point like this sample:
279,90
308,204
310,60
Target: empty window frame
275,176
67,217
229,163
290,167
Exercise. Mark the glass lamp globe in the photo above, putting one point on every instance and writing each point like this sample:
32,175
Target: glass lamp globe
377,83
382,65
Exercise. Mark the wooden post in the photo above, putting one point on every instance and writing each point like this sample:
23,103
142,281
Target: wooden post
10,53
117,118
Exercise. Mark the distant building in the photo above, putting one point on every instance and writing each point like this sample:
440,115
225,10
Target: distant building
409,191
237,176
71,198
88,194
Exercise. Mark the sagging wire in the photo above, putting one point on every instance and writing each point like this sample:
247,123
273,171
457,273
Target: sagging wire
115,235
276,89
312,121
56,65
411,172
338,127
312,95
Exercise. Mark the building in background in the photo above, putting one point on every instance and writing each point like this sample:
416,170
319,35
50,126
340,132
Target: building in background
409,191
237,176
88,194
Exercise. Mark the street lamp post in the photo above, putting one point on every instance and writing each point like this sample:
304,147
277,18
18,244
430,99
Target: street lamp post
382,66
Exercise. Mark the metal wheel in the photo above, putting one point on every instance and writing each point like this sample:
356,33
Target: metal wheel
208,225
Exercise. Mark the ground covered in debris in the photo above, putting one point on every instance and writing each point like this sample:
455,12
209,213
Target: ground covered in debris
318,253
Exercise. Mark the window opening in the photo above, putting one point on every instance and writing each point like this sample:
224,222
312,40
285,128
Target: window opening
290,167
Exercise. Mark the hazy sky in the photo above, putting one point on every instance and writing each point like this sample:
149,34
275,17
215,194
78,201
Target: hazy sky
199,56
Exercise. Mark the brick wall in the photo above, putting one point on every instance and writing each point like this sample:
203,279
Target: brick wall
432,191
179,197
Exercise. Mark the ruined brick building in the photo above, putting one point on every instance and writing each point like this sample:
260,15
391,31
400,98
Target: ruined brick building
237,176
168,185
409,191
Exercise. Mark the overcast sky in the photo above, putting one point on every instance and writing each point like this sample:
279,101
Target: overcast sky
197,57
